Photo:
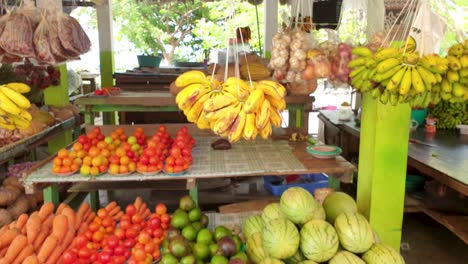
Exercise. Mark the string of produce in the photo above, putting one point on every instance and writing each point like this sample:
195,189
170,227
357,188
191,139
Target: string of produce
234,109
14,106
449,115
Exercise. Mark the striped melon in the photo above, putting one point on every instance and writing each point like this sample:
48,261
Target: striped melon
346,257
254,248
298,205
319,241
271,261
319,213
253,224
382,254
336,203
296,258
280,238
272,211
355,232
308,262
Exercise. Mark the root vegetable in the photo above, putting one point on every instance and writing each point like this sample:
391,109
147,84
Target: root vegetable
25,252
47,248
31,260
20,206
15,248
7,237
60,227
46,210
33,227
5,217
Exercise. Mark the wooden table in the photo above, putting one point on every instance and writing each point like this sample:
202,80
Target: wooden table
164,101
446,161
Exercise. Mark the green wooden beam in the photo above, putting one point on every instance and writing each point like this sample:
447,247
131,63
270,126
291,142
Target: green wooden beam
51,194
107,68
383,153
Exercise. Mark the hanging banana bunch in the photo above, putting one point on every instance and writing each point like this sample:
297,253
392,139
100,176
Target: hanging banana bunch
13,106
234,109
454,84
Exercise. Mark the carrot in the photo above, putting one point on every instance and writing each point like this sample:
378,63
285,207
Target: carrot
15,248
33,227
25,252
12,224
90,217
83,227
146,213
114,211
48,222
138,202
68,238
4,229
55,255
142,209
60,227
111,206
118,215
80,214
40,238
70,214
61,207
31,260
7,237
3,252
21,221
46,210
46,249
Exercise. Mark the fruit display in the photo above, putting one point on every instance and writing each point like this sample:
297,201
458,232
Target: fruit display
300,230
449,115
14,106
67,162
190,241
234,109
454,85
180,153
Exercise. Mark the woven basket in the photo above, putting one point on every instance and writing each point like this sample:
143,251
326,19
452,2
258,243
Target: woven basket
302,88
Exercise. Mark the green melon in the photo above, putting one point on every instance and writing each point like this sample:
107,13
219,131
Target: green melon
254,248
296,258
272,211
337,203
253,224
382,254
308,262
346,257
280,238
319,241
271,261
355,232
319,213
298,205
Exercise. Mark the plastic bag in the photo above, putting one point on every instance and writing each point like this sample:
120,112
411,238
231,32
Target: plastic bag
42,43
339,60
16,38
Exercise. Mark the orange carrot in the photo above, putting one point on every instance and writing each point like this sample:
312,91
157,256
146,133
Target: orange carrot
138,202
25,252
114,211
21,221
83,227
142,209
146,213
60,227
3,252
15,248
33,227
46,210
80,214
48,222
61,207
55,255
68,237
111,206
12,224
90,217
47,247
70,214
31,260
7,237
40,238
118,215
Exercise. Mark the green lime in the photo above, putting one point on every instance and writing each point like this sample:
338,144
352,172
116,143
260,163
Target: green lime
242,256
201,251
204,236
189,259
204,220
186,203
189,232
221,231
200,261
168,259
238,242
179,247
214,249
179,220
219,260
198,226
195,214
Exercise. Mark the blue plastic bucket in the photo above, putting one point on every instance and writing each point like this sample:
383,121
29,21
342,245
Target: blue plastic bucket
419,115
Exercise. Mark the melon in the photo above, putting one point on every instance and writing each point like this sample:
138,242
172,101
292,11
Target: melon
382,254
254,248
253,224
319,241
272,211
296,258
346,257
298,205
280,238
354,232
308,262
271,261
320,213
336,203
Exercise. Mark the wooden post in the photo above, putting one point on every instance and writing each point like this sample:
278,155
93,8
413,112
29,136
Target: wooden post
104,19
383,154
271,26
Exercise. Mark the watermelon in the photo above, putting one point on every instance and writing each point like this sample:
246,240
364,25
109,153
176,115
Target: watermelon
355,232
271,261
319,213
298,205
308,262
253,224
254,248
346,257
280,238
272,211
296,258
319,241
337,203
382,254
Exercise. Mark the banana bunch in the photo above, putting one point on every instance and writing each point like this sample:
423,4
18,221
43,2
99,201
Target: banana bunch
398,75
234,109
13,106
454,84
449,115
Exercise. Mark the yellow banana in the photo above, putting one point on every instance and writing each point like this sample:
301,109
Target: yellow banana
219,102
446,86
396,79
19,87
263,116
278,104
453,76
362,51
458,90
237,128
410,45
202,122
15,97
445,96
239,83
7,125
387,64
280,89
254,101
19,122
386,53
416,81
454,63
380,77
190,77
456,50
236,91
266,131
463,72
394,98
426,75
215,115
384,97
411,58
464,61
226,121
7,105
405,83
249,128
25,114
360,61
195,110
188,95
356,71
275,117
270,91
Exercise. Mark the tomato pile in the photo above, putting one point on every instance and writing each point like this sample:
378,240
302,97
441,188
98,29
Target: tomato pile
180,154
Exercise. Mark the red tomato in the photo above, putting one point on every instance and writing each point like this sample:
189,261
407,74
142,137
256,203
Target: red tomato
119,250
113,241
150,246
180,144
81,241
125,224
84,253
130,210
170,161
104,257
160,209
158,233
165,218
69,257
164,226
137,218
88,234
139,254
175,152
119,233
118,259
156,254
108,250
154,223
129,243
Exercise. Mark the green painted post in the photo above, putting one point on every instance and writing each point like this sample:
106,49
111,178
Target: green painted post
193,192
107,79
383,154
94,200
51,194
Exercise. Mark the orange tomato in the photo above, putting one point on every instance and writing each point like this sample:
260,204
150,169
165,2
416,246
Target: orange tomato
67,161
72,155
57,161
98,236
149,246
119,131
62,153
124,160
94,171
123,169
105,152
56,169
160,209
87,160
120,152
102,213
74,167
65,169
156,254
144,238
92,135
139,254
101,145
93,227
93,152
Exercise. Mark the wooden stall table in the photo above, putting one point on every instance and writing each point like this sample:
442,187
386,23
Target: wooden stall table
444,159
257,158
164,101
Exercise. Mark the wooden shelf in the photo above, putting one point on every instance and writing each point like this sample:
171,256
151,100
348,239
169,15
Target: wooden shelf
458,224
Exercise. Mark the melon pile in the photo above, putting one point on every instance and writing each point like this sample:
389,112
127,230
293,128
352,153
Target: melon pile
300,230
